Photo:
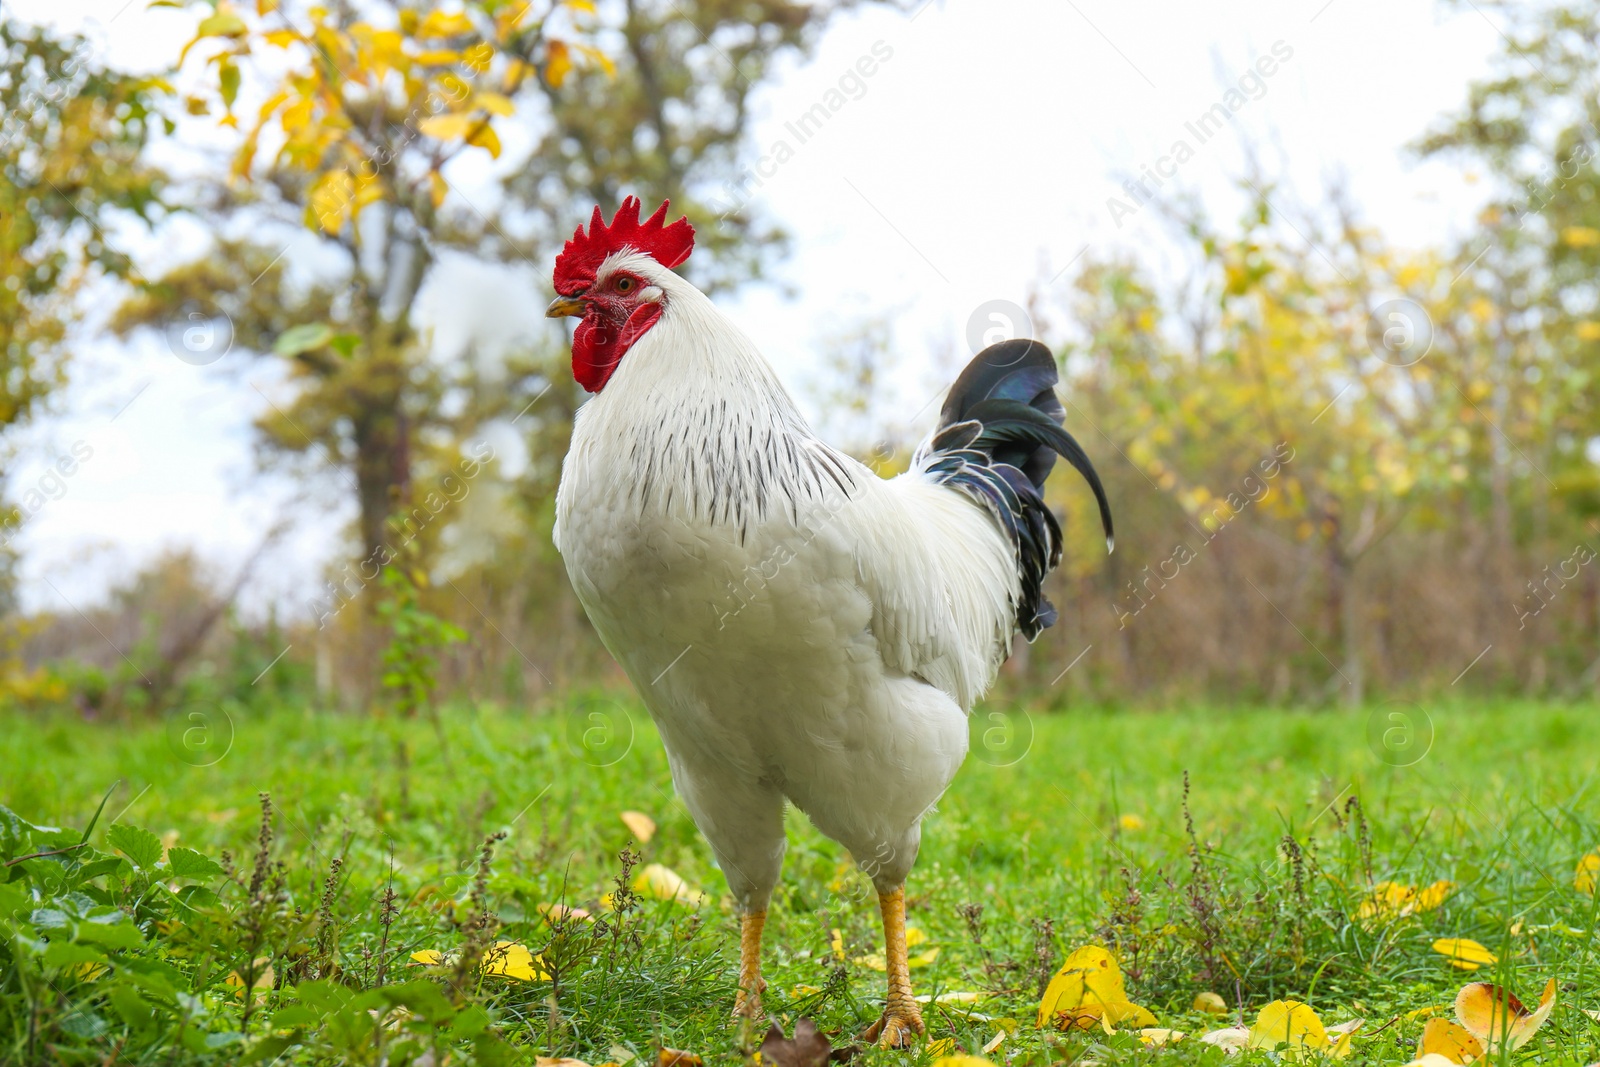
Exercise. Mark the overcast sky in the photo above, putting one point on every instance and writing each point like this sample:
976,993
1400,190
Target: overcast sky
977,160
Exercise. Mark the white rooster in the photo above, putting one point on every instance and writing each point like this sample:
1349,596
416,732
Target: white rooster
799,628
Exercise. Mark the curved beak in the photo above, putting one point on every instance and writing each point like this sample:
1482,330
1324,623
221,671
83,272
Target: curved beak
564,305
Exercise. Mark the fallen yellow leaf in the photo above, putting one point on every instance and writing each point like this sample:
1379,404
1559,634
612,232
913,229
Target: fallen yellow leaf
1210,1003
1455,1043
663,883
1288,1021
1343,1037
1158,1038
876,961
1229,1039
954,996
1088,988
1432,896
1106,1016
511,960
507,959
1589,866
1464,953
640,825
962,1061
1385,901
1432,1059
263,980
1496,1017
1392,900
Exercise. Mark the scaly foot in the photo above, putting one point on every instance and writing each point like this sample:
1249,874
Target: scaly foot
747,1004
902,1017
897,1027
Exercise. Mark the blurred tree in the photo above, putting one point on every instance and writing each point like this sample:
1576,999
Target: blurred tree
358,131
71,138
357,139
1269,387
1534,125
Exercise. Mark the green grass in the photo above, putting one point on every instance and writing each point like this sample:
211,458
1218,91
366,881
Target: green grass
1082,837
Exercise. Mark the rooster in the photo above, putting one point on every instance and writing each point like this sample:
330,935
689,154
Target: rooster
801,629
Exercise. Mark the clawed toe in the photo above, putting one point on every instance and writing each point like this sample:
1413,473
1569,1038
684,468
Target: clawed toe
748,1005
894,1030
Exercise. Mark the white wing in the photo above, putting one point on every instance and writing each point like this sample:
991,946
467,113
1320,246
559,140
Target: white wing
942,581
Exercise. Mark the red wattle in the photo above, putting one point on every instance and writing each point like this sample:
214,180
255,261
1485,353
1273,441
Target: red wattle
597,346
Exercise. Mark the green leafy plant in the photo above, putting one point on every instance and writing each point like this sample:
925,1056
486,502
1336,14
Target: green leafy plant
410,661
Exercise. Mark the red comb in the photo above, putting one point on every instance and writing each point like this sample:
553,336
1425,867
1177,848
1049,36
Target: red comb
582,256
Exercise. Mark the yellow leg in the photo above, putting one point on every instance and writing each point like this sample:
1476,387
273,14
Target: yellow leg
747,1005
902,1016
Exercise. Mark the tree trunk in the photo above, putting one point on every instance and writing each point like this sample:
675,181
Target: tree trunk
383,456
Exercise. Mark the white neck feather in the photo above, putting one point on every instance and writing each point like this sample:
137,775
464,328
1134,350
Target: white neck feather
702,420
695,351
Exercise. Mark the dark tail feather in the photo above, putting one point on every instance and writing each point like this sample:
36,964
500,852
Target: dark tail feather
999,434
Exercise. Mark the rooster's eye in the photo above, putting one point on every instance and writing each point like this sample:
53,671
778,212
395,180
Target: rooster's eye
624,285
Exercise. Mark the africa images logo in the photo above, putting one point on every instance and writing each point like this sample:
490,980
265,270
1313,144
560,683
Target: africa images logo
1251,85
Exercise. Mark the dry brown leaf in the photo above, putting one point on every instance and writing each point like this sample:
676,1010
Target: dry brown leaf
807,1048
